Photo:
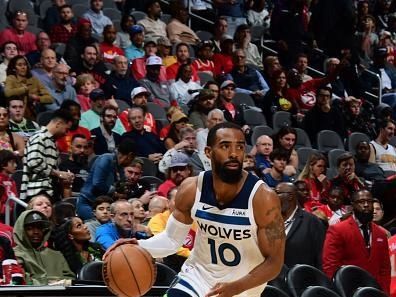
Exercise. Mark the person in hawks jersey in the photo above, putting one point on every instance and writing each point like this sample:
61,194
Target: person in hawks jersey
240,239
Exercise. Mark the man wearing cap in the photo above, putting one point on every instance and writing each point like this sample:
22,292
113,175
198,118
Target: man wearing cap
139,64
91,118
120,82
204,61
76,45
96,16
139,97
135,50
107,47
223,61
202,104
159,90
164,51
152,24
183,57
179,169
148,144
42,264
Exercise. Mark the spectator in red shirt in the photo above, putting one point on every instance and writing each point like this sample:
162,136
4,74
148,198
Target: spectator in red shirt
182,55
26,41
84,85
223,63
204,61
63,31
64,142
107,47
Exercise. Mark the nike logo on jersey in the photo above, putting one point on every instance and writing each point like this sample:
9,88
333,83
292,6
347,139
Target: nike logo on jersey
206,207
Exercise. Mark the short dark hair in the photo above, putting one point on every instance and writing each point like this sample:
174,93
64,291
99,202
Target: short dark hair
344,157
69,103
62,114
65,6
279,154
150,3
180,44
355,195
109,107
7,43
127,146
102,199
324,88
5,157
213,131
78,136
376,200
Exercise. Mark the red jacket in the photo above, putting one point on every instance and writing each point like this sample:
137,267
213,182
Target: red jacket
392,251
344,245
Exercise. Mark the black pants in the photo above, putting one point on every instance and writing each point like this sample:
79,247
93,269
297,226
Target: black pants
176,293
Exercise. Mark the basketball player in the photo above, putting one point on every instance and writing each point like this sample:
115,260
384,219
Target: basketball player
239,244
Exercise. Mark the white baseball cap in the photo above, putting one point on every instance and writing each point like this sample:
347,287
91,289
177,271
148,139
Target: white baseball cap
153,60
139,90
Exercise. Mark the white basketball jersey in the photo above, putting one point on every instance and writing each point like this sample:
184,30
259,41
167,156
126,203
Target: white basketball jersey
226,245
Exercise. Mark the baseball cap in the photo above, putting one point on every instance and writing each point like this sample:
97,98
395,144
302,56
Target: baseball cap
205,94
227,83
226,37
163,40
205,43
179,159
36,217
139,90
150,41
177,116
97,94
135,29
153,60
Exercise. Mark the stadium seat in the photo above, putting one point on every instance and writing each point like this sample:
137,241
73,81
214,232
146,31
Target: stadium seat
318,291
369,292
333,156
354,139
122,105
15,5
148,180
165,275
242,98
43,118
280,281
349,278
254,118
109,4
92,271
149,167
33,29
328,140
112,13
392,141
79,9
281,119
157,111
303,156
271,291
301,276
302,139
166,18
260,130
204,35
138,15
59,48
204,77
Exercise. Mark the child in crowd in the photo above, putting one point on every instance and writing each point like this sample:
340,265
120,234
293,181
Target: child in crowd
84,85
279,159
101,209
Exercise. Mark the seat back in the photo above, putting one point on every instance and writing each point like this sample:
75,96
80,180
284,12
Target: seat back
303,156
122,105
79,9
260,130
157,111
280,281
333,156
254,118
354,139
242,98
281,119
302,139
138,15
204,35
301,276
349,278
369,292
149,167
317,291
271,291
328,140
112,13
165,275
92,271
151,180
204,77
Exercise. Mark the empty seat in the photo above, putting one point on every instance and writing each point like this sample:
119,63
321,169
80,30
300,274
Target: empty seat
166,18
59,48
204,77
242,98
157,111
112,13
151,180
149,167
260,130
92,271
271,291
257,32
303,156
138,15
281,119
79,9
254,118
333,156
122,105
109,4
328,140
301,276
354,139
204,35
317,291
302,139
280,281
349,278
44,7
369,292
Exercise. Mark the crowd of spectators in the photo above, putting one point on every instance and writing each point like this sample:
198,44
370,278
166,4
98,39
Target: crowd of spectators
92,105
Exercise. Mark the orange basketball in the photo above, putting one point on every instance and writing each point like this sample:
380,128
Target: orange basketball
129,271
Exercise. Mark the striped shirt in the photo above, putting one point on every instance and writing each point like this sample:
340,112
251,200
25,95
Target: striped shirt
40,158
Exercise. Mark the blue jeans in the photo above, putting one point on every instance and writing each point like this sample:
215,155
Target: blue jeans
84,208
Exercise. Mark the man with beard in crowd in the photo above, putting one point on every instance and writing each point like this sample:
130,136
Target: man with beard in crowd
107,47
62,32
106,140
201,105
77,163
358,241
236,213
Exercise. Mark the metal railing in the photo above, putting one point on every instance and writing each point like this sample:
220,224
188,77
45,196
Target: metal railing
8,207
378,77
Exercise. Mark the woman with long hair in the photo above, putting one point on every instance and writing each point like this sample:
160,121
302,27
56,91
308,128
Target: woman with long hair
286,138
314,175
71,238
179,121
20,82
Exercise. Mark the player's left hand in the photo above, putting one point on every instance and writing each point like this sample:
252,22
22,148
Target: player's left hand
223,290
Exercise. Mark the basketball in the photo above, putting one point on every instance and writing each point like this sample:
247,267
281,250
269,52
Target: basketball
129,271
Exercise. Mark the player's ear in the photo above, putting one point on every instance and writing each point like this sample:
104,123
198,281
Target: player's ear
208,151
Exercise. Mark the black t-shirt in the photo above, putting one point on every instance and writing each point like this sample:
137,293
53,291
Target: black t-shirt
80,173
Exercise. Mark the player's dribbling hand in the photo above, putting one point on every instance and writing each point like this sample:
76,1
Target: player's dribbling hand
223,290
119,242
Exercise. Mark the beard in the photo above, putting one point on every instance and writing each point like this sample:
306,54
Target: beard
80,159
228,176
364,217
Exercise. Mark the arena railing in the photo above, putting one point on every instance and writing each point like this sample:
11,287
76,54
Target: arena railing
8,207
